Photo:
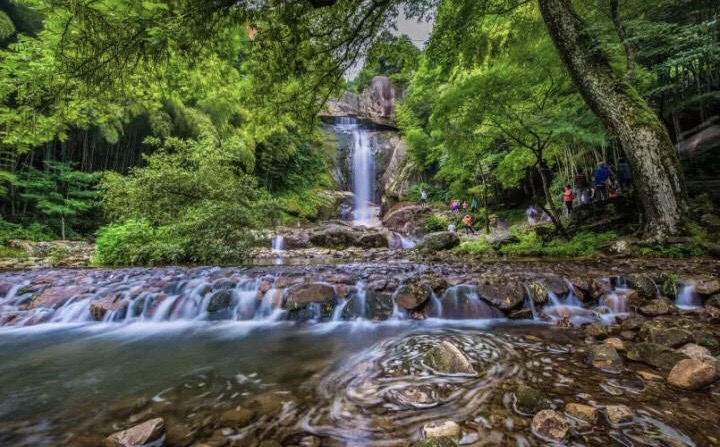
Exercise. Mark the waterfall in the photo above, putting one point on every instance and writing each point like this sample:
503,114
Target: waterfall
687,298
278,245
362,170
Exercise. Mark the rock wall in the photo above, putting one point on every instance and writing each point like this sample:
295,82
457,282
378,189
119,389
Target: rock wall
376,103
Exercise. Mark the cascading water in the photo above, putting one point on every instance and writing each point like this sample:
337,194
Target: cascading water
278,245
362,170
687,298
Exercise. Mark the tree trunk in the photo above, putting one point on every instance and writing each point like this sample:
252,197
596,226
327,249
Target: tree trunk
655,167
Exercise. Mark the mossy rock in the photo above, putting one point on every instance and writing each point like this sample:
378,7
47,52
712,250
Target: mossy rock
528,400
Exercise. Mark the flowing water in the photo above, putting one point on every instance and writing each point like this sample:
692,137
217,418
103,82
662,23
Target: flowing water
344,379
365,212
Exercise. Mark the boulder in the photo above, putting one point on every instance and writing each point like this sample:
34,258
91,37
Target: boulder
655,308
373,240
448,358
413,295
377,101
582,412
528,400
707,287
500,237
139,435
653,354
109,303
616,343
596,331
619,414
54,297
444,429
403,213
301,294
237,417
692,374
433,242
672,337
550,425
223,284
504,296
605,356
696,352
645,286
221,300
333,236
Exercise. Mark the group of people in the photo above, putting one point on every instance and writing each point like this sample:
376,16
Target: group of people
455,206
605,185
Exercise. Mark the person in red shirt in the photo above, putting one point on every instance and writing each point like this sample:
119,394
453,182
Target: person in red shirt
468,224
568,198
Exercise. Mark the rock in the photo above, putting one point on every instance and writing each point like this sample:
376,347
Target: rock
707,287
436,442
616,343
110,303
463,302
445,429
500,237
596,331
644,285
373,240
619,414
605,356
528,400
412,296
692,374
449,359
671,337
138,435
713,301
333,236
433,242
582,412
505,296
219,301
54,297
658,307
238,417
403,213
301,294
550,425
696,352
656,355
520,314
377,101
223,284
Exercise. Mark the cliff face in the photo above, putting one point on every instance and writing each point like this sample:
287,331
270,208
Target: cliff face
376,103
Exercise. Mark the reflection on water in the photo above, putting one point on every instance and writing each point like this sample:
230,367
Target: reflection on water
358,384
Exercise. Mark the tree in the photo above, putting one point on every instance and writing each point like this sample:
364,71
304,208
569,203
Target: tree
60,192
659,180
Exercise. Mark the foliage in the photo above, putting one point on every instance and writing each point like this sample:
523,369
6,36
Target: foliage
135,242
436,222
585,244
393,56
37,232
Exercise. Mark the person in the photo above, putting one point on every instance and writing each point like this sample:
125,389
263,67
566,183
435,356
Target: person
474,206
464,206
423,198
451,228
568,199
585,197
452,206
468,224
533,215
456,206
624,175
601,180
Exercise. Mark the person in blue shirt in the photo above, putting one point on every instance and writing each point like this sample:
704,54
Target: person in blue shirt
601,180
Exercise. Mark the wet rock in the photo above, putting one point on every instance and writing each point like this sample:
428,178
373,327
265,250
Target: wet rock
713,301
219,301
645,286
707,287
54,297
696,352
436,442
237,417
538,291
656,355
433,242
588,289
500,237
581,412
111,303
505,296
223,284
692,374
658,307
596,331
138,435
652,377
402,214
528,400
445,429
671,337
463,302
333,236
449,359
604,356
316,292
550,425
521,314
413,295
619,414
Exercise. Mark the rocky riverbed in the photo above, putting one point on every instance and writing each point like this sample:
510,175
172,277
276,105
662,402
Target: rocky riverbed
386,354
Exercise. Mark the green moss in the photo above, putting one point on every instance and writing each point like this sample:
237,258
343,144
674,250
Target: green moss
437,442
586,244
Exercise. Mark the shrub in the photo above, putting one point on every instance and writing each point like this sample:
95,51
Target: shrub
135,242
436,222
